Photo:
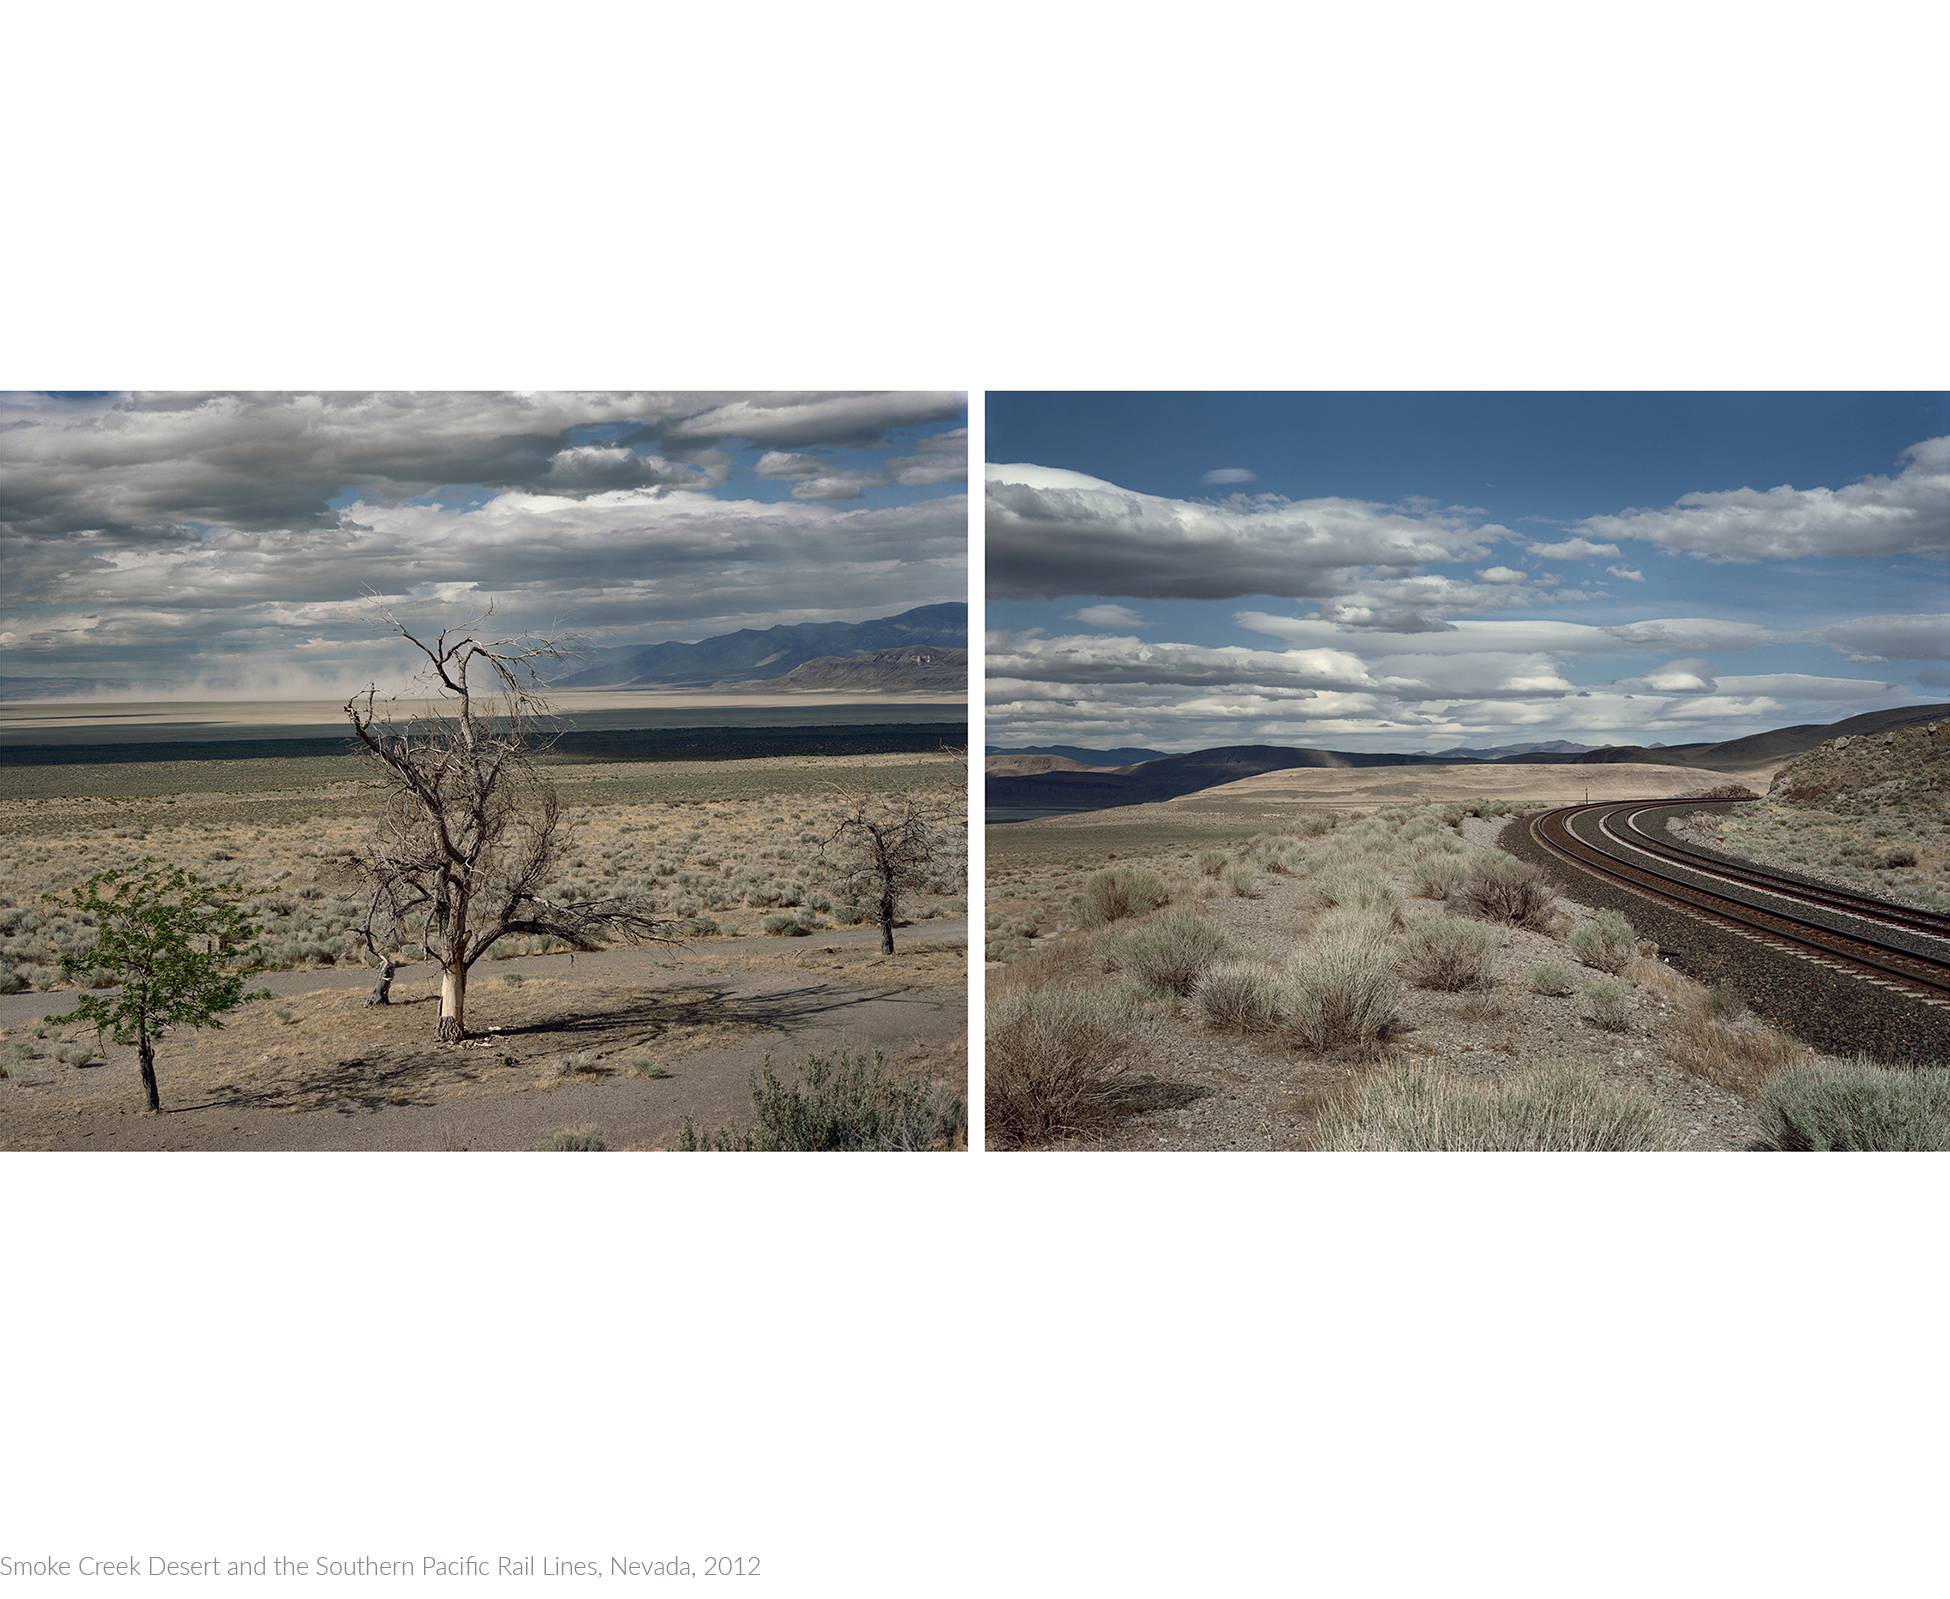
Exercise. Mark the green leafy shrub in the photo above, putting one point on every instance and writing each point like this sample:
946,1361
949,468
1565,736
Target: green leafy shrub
1211,862
644,1066
783,924
1554,980
1243,881
574,1138
1410,1108
1856,1105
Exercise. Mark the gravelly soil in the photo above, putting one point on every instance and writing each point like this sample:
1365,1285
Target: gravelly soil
1837,1015
1209,1091
1212,1091
341,1075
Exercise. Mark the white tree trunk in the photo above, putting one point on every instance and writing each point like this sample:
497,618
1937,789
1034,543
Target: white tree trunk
453,1003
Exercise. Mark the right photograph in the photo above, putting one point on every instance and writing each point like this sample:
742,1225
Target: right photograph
1511,771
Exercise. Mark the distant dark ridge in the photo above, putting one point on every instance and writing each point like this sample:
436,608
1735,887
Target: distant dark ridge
647,744
760,654
1083,757
1776,744
1173,775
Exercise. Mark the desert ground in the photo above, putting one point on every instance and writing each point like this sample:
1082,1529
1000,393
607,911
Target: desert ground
773,956
1272,867
20,721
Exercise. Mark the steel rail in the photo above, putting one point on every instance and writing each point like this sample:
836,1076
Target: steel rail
1888,963
1929,923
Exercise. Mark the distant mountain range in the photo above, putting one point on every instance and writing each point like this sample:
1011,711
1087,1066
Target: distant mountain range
1083,757
754,655
59,688
1497,752
1169,776
911,669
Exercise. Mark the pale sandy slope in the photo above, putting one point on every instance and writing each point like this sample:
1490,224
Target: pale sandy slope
1367,787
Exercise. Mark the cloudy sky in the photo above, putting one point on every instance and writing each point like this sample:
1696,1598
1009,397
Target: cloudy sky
225,542
1423,571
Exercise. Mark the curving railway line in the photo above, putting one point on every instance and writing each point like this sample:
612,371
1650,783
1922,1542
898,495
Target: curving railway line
1897,948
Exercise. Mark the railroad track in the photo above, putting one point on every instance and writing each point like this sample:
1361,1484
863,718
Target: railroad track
1893,946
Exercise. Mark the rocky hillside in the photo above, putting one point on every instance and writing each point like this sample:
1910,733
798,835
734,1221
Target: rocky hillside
1903,772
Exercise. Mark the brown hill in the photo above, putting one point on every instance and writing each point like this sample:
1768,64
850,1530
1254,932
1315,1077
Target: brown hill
1756,749
1035,765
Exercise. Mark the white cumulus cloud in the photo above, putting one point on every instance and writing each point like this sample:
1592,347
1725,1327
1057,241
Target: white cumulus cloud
1106,616
1574,549
1908,513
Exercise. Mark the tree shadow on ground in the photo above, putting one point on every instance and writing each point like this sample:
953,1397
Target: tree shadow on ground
517,1058
371,1082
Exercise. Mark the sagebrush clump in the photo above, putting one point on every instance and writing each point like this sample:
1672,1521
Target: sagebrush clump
1119,892
844,1103
1501,888
1605,943
1056,1060
1442,952
1344,989
1169,953
1243,997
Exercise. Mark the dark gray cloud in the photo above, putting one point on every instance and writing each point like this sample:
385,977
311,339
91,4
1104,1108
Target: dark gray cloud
264,461
1052,533
191,534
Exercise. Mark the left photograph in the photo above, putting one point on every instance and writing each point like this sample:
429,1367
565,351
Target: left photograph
477,771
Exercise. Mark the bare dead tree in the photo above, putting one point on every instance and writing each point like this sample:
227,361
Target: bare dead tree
470,834
891,841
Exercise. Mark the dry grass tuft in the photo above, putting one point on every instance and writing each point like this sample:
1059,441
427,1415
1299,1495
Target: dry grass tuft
1243,997
1411,1108
1734,1049
1857,1105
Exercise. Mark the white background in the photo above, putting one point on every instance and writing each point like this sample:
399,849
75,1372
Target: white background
1040,1375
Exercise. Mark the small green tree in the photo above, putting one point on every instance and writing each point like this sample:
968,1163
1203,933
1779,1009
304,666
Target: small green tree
178,945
